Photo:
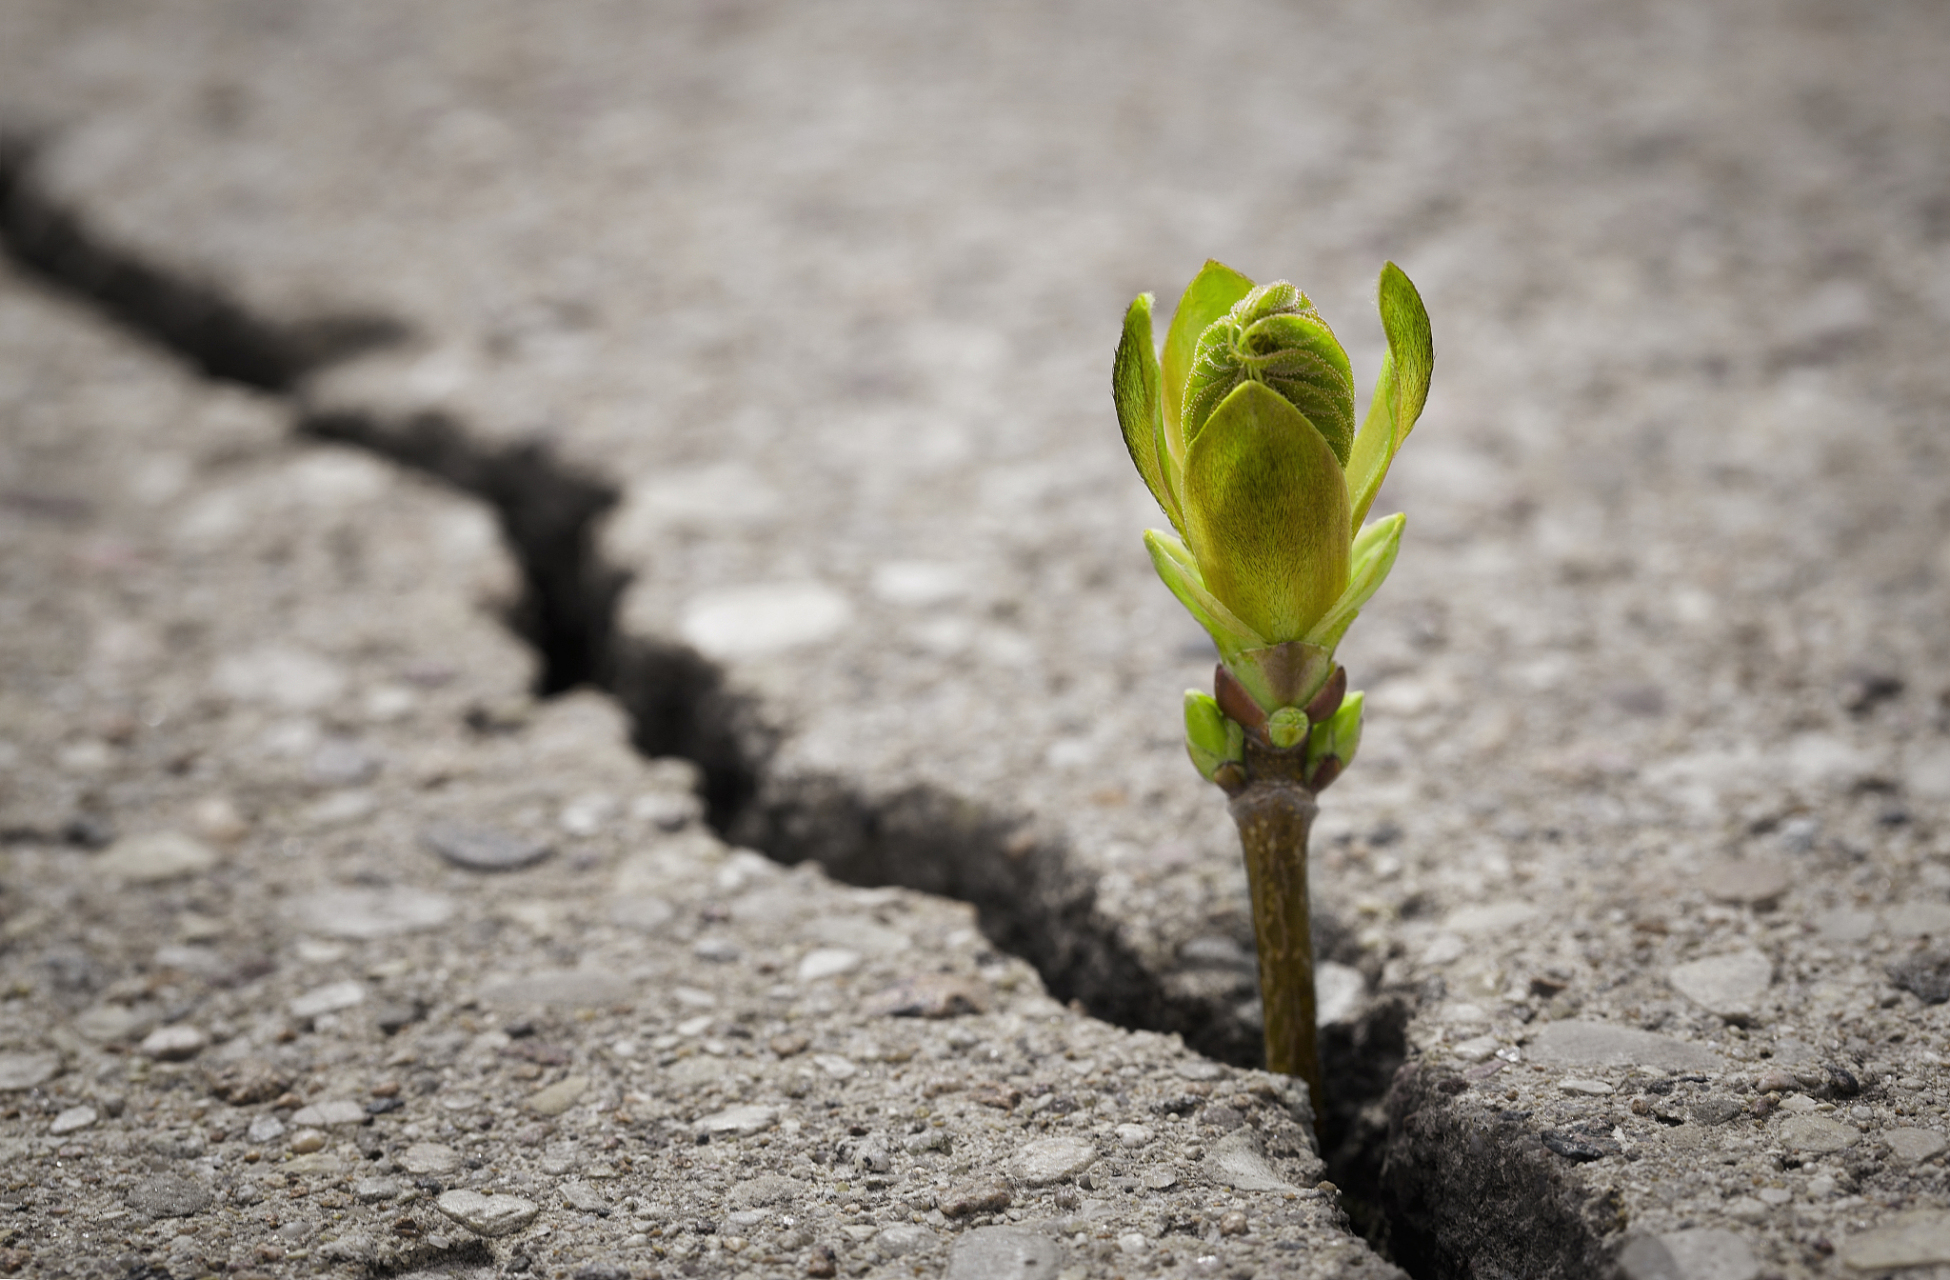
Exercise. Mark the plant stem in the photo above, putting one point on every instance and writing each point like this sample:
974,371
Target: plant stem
1275,811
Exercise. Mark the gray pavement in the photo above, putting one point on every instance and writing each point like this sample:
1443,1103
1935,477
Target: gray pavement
824,297
328,950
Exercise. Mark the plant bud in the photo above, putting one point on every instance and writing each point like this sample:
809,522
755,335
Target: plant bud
1273,335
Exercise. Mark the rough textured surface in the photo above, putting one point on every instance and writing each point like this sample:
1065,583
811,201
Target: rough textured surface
822,300
320,1047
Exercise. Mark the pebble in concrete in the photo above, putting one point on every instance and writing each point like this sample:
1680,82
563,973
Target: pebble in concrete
168,1195
332,1111
1003,1253
1915,1239
1729,985
1706,1253
736,622
329,998
1238,1160
1753,881
1913,1145
25,1070
1818,1134
363,914
424,1158
72,1119
558,1097
1599,1044
1048,1160
177,1043
481,848
487,1215
154,857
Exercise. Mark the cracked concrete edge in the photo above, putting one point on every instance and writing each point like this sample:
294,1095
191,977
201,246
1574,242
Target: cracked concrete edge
334,1042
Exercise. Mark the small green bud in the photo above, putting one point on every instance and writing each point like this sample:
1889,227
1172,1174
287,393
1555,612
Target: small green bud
1339,735
1211,739
1286,727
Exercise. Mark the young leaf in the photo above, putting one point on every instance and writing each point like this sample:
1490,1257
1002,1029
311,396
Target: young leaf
1373,556
1400,391
1209,296
1180,573
1134,386
1266,513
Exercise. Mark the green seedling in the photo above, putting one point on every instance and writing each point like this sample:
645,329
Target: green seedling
1244,430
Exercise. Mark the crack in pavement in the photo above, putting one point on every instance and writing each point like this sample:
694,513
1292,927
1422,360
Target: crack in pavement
1032,901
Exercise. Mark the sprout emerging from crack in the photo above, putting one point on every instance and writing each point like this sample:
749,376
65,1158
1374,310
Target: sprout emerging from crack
1244,432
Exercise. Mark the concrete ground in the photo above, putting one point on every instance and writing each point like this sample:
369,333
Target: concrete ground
776,340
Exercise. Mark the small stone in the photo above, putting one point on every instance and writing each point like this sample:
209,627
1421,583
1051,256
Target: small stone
373,1190
1490,918
363,914
1925,975
1476,1049
1773,1080
747,1119
485,849
1716,1110
1817,1133
1132,1136
426,1159
990,1195
113,1023
177,1043
155,857
1338,992
641,913
332,1111
1197,1069
1588,1088
561,989
903,1238
265,1129
168,1196
1003,1253
1708,1253
307,1141
1917,920
487,1215
932,995
25,1070
330,998
835,1066
737,622
1576,1043
1232,1223
1730,985
1753,881
1160,1179
828,962
1048,1160
1914,1239
1239,1161
72,1119
766,1189
715,950
558,1097
583,1198
1132,1242
790,1043
821,1264
248,1081
1912,1145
